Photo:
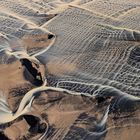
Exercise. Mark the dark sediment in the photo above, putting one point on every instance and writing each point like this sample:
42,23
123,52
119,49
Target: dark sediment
35,124
36,75
3,137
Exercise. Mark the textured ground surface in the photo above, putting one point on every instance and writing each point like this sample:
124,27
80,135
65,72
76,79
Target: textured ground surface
95,50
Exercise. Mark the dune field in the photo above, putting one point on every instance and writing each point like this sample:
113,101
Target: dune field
69,70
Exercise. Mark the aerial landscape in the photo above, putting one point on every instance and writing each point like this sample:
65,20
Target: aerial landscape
69,70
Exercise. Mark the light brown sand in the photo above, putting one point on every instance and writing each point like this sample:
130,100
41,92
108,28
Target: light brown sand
18,19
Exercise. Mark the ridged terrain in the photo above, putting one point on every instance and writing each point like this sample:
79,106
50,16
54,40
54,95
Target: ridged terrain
90,50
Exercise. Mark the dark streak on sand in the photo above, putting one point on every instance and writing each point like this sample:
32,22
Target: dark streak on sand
35,124
37,77
3,137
